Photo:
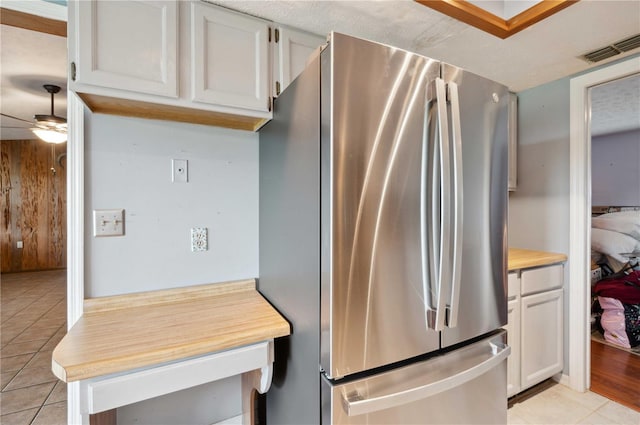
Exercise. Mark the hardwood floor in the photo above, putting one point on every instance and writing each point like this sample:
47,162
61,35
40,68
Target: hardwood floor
615,374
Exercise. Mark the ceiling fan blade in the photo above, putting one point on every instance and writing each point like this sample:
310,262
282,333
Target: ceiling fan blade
23,128
15,118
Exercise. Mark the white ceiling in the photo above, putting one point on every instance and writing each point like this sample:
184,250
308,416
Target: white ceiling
547,51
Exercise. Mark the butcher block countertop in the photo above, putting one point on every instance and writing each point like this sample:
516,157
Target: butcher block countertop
526,258
125,332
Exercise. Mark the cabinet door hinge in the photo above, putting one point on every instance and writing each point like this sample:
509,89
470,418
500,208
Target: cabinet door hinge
277,35
269,34
270,103
277,88
73,71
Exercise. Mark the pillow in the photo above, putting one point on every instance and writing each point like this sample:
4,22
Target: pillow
613,243
627,222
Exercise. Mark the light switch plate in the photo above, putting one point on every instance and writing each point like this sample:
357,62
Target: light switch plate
179,171
199,239
108,222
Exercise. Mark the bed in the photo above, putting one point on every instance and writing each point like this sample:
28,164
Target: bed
615,238
615,248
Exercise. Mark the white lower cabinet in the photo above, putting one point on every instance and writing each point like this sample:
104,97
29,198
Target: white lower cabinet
513,340
535,326
541,337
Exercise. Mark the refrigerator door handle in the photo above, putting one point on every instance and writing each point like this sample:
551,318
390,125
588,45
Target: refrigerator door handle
426,210
443,269
354,404
457,231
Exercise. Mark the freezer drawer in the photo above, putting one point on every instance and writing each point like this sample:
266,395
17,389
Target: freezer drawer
467,385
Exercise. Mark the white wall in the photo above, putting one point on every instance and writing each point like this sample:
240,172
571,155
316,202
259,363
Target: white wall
128,165
615,172
539,208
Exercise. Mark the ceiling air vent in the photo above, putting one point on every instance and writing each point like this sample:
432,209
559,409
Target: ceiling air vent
628,44
613,49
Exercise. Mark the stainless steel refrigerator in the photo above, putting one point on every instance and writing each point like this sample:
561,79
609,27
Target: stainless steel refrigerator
383,206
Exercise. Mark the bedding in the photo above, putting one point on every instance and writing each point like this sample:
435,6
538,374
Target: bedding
614,234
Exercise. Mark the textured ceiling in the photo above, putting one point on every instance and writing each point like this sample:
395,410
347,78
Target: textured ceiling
615,106
547,51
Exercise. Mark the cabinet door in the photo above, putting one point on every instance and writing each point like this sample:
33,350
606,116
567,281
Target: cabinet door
128,45
230,58
541,337
293,48
513,340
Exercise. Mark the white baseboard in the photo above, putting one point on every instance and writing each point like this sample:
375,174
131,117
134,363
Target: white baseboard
562,379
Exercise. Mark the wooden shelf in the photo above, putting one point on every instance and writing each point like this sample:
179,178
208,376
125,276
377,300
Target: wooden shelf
126,332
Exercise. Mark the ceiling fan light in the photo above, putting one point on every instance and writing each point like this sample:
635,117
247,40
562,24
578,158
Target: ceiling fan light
50,136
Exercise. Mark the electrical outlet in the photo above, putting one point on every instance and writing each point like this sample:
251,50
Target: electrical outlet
179,170
199,239
108,222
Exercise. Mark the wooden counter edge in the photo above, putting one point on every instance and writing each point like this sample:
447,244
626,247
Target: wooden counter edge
155,358
525,258
70,373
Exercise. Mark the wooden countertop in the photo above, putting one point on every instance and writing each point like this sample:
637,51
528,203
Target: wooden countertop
125,332
526,258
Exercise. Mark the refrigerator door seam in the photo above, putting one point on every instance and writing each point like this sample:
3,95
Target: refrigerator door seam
456,130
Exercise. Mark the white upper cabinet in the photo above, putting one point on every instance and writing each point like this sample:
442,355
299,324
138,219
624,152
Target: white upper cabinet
128,45
292,50
230,58
187,61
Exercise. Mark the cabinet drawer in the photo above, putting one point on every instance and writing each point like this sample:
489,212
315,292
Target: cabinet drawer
541,279
513,285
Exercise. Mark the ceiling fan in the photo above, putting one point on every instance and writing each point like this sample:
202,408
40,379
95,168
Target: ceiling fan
48,127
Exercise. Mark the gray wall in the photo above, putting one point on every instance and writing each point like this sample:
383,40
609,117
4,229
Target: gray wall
128,165
615,169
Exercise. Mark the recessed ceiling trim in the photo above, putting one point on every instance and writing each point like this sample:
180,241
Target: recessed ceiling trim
37,23
488,22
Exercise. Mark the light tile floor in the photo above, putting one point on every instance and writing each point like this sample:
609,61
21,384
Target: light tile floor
33,322
558,404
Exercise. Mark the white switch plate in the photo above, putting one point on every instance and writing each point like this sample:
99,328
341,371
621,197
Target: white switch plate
199,239
19,245
108,222
179,170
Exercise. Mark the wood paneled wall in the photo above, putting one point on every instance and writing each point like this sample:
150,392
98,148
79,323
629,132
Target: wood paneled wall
33,203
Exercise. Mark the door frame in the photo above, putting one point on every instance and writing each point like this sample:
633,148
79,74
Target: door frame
580,213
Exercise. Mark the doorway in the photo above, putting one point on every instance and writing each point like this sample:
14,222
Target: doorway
615,214
580,211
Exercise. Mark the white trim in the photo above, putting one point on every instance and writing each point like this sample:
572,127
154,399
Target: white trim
580,213
75,234
38,8
110,392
